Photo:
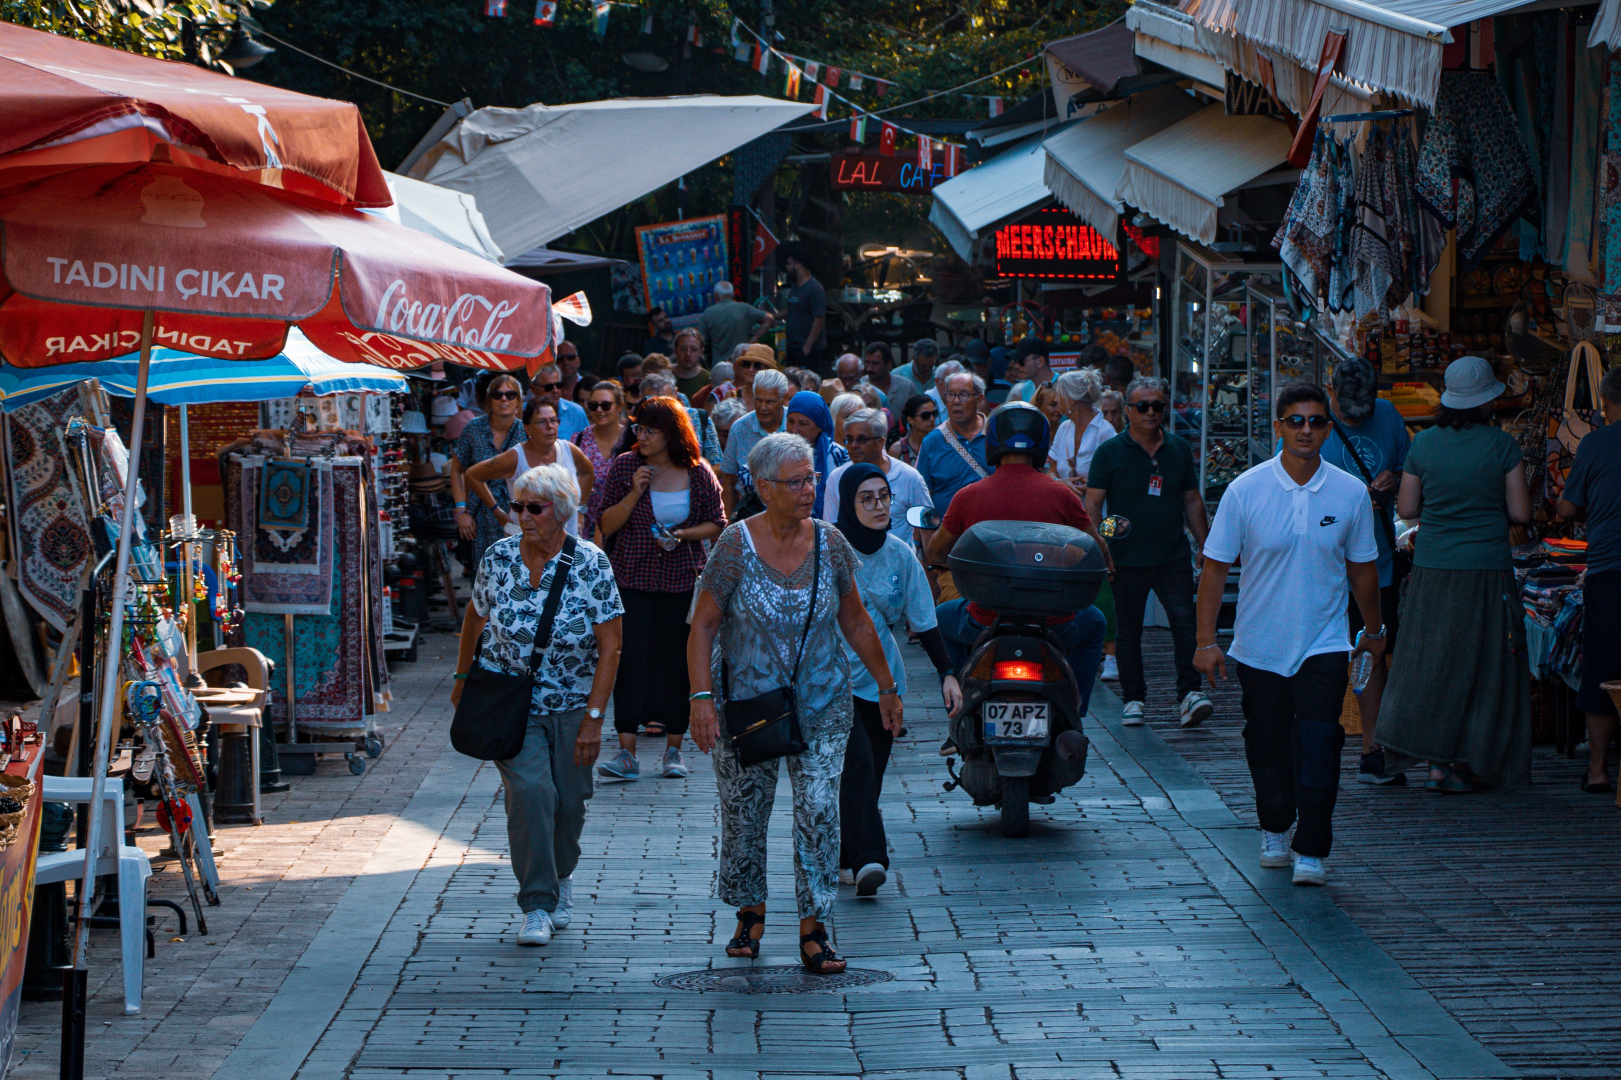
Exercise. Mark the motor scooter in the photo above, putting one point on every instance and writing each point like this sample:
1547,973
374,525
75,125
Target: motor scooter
1019,728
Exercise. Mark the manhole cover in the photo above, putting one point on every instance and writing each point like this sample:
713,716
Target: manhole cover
780,979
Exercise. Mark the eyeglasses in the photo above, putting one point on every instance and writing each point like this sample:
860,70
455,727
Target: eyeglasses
505,395
533,509
601,406
797,484
1145,406
643,431
926,414
751,364
869,501
859,440
1317,421
961,395
544,421
547,387
568,356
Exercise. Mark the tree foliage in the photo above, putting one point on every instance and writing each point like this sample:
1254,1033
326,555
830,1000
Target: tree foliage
196,29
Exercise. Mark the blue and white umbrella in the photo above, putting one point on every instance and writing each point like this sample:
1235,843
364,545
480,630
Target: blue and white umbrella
180,378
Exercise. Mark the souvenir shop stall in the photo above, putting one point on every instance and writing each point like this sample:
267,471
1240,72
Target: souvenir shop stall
1456,195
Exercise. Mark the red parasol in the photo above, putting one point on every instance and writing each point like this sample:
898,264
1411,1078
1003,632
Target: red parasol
226,267
65,104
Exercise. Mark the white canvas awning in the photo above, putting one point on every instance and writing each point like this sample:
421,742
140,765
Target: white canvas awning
1390,45
1085,161
451,216
541,172
1181,175
1606,26
973,203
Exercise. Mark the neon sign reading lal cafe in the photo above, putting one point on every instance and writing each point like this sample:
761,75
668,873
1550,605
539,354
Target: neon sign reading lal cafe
1053,244
872,171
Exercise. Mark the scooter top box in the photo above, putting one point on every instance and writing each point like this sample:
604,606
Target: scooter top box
1027,567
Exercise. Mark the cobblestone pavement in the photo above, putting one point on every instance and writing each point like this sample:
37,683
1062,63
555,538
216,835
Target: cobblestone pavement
366,933
1505,907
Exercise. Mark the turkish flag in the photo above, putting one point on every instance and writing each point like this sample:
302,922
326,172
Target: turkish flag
925,154
886,140
764,244
545,12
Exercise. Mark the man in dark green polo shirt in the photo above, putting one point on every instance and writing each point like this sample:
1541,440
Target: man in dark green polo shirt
1150,477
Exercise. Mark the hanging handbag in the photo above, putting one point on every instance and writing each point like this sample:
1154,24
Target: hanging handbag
1575,421
493,713
1401,562
766,726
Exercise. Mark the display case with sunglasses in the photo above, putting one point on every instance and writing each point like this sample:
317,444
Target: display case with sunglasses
1283,350
1217,374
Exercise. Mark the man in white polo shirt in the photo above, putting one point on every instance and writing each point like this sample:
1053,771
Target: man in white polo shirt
1304,530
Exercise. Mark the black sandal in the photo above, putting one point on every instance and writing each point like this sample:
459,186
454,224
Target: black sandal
822,961
746,944
650,732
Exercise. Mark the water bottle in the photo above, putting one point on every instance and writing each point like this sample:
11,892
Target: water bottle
1361,667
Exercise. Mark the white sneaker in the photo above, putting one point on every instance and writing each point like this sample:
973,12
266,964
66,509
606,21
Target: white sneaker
1196,709
1111,669
537,929
1274,850
1132,714
868,878
847,877
565,904
1310,871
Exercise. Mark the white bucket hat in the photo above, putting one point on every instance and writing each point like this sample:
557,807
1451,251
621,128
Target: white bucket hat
1470,382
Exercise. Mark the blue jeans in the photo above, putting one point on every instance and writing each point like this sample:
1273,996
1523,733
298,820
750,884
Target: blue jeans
1082,636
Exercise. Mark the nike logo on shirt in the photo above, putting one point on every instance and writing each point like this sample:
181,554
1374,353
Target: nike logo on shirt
1328,520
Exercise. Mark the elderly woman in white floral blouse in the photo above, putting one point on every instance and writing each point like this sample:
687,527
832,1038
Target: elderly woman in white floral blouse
549,780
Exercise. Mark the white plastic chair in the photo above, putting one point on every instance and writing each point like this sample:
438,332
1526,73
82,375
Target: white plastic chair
130,864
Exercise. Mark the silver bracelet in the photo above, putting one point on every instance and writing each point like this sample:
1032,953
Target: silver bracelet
1202,648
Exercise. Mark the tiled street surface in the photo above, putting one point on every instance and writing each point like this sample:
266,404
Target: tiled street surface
1131,935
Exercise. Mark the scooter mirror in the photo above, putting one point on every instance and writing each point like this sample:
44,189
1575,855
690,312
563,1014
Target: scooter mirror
1114,527
922,517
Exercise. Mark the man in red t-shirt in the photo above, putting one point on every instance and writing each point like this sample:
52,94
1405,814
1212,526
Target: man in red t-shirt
1016,445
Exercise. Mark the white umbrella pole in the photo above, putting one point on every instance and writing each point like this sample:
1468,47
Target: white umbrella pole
187,583
115,654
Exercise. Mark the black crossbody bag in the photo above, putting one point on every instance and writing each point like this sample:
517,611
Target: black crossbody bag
493,714
1401,562
766,726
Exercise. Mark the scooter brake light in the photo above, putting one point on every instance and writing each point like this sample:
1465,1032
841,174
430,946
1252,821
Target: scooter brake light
1022,670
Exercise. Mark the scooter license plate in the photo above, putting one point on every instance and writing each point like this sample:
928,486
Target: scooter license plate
1015,720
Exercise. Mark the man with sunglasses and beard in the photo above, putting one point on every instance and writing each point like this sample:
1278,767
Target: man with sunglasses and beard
1304,530
1150,477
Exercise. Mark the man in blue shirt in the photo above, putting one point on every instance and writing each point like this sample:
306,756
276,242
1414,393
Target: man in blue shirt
1370,441
547,389
1594,485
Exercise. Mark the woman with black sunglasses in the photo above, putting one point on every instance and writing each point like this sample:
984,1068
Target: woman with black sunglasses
497,431
919,414
605,408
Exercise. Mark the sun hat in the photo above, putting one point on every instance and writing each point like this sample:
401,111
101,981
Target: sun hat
1470,382
759,353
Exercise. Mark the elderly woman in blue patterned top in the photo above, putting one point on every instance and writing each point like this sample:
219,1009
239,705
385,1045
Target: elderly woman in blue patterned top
757,591
549,780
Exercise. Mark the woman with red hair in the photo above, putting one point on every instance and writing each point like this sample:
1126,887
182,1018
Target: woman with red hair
660,503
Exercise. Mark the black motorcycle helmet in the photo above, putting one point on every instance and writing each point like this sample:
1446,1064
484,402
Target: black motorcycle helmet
1017,428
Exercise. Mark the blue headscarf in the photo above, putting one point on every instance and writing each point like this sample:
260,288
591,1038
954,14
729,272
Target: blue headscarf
829,455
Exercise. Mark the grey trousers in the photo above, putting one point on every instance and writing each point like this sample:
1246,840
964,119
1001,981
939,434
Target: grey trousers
746,796
546,795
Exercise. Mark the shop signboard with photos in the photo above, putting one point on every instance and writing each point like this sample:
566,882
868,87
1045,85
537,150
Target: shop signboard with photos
682,262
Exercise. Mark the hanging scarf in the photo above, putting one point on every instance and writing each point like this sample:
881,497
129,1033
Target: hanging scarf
1305,239
1473,170
863,539
829,454
1340,277
1372,265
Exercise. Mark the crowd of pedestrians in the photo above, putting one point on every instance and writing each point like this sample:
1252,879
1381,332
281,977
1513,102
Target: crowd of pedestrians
730,542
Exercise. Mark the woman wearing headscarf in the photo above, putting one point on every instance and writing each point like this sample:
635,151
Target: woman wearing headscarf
809,418
896,593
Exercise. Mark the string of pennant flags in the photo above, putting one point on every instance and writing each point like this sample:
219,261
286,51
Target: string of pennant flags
825,79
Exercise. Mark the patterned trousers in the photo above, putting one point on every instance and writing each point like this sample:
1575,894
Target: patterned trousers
746,795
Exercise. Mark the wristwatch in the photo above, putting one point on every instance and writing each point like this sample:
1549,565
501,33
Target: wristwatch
1369,633
594,714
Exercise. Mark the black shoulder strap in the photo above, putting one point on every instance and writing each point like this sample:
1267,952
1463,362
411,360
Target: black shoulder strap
554,598
810,613
1361,467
